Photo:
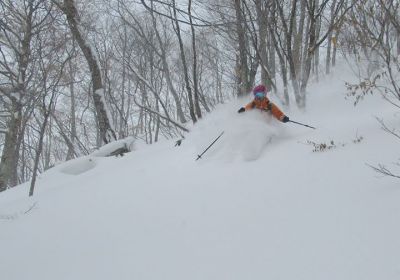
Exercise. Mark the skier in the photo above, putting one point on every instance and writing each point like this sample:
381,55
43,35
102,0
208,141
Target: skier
262,102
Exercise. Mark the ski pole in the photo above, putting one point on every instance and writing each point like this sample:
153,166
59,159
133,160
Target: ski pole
199,156
302,124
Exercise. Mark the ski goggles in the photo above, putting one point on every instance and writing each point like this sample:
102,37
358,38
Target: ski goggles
259,95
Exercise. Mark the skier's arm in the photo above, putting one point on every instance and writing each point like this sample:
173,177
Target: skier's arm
249,106
277,113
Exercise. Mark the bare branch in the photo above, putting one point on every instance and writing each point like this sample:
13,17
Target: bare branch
161,116
383,170
387,129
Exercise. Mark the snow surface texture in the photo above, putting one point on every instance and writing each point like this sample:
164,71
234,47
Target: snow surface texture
258,205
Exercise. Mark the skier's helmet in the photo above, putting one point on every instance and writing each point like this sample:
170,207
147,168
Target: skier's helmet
260,91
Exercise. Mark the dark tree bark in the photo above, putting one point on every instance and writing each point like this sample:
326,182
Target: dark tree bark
242,71
10,155
195,79
107,132
331,35
39,149
184,64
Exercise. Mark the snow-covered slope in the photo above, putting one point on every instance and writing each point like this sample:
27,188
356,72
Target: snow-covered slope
260,204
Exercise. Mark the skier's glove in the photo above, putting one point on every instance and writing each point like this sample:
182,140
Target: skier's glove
241,110
285,119
178,143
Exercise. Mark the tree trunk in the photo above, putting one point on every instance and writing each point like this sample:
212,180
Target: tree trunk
39,151
398,42
13,139
298,41
330,39
271,60
157,121
71,152
310,51
271,13
316,49
9,158
334,51
262,47
281,62
185,69
195,79
288,31
328,55
107,132
284,79
242,71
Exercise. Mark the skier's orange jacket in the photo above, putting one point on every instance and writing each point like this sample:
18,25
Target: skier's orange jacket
265,104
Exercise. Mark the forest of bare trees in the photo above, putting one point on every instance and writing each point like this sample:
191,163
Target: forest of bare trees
75,74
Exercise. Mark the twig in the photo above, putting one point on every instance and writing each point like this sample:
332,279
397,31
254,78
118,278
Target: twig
161,116
17,215
383,170
387,129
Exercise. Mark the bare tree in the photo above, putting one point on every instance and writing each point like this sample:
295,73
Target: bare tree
184,64
194,67
371,32
330,39
242,70
107,132
49,91
166,68
17,71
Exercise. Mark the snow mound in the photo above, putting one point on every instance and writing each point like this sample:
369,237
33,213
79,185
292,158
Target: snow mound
82,165
78,166
127,143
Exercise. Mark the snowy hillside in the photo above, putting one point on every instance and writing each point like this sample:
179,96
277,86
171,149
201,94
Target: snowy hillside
260,204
